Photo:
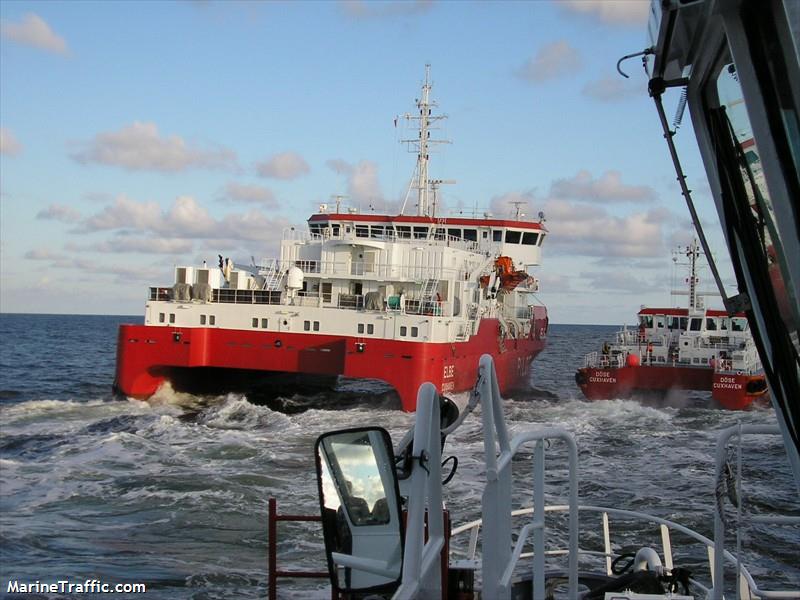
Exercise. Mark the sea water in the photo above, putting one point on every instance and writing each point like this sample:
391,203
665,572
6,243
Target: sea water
173,492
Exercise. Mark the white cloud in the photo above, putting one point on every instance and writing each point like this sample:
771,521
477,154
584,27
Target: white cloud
139,146
363,186
608,188
585,230
619,281
184,219
551,61
32,30
503,207
41,254
286,165
59,212
8,143
613,89
256,194
359,9
123,244
612,12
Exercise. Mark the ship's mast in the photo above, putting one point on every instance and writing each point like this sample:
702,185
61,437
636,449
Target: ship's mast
425,205
693,252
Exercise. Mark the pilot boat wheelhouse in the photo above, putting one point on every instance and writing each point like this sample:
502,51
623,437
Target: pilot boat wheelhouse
404,299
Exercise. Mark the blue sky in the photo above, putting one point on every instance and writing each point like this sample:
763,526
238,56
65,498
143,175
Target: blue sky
140,135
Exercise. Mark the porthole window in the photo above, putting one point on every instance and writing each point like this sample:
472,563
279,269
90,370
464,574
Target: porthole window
370,329
403,330
360,328
414,331
255,321
161,317
306,325
212,320
264,323
316,325
171,317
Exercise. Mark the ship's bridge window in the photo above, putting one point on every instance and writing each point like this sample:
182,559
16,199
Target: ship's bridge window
362,231
646,320
456,233
673,323
335,229
471,235
513,237
377,231
403,330
738,324
403,231
420,233
723,323
497,235
529,238
541,239
440,234
485,234
711,324
660,321
696,325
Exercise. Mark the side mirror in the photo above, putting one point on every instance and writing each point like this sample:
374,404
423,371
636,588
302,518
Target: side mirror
360,504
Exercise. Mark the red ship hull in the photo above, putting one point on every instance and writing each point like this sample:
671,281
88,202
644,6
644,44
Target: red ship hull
147,356
730,391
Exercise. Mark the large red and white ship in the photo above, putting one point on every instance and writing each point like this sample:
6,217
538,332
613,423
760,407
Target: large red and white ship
404,299
690,348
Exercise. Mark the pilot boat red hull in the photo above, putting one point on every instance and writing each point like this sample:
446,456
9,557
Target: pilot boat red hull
149,355
731,391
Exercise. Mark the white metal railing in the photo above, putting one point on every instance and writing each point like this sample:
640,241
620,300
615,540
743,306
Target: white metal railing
498,561
719,521
595,360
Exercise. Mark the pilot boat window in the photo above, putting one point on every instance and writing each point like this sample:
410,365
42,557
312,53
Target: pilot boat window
212,320
420,233
414,332
370,328
203,320
696,325
171,317
440,234
306,325
529,238
161,317
497,235
377,231
738,324
316,325
403,331
362,231
403,231
327,289
264,323
660,322
513,237
711,324
456,233
360,328
471,235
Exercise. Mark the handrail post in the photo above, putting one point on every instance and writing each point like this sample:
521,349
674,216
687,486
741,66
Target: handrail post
272,551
